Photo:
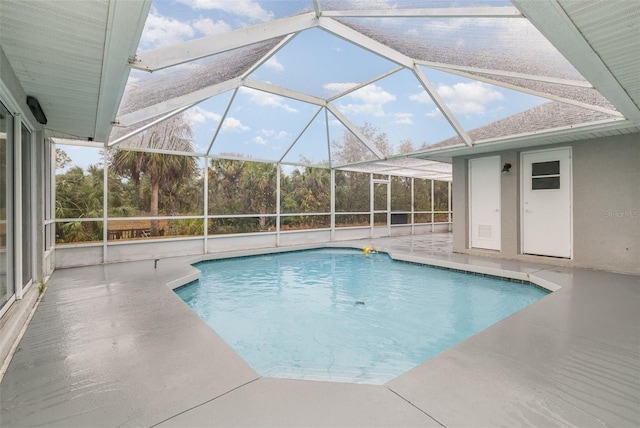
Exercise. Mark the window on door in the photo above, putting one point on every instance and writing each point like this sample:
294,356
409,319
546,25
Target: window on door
545,175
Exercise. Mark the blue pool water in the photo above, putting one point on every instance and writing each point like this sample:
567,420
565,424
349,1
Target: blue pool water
341,315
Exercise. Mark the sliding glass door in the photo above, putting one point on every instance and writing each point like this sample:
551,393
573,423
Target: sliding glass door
7,289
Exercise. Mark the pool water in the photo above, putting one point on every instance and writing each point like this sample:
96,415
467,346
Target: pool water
341,315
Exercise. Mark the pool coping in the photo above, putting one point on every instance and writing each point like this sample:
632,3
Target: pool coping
522,277
571,358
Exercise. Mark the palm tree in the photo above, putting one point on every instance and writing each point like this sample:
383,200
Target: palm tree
162,170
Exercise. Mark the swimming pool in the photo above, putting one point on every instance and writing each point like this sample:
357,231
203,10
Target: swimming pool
341,315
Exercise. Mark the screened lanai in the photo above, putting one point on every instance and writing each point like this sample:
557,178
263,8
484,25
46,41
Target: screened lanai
339,114
139,137
331,119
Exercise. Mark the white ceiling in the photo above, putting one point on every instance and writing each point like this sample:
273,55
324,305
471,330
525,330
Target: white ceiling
72,56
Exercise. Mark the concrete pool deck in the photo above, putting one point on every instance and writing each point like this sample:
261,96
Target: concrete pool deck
114,346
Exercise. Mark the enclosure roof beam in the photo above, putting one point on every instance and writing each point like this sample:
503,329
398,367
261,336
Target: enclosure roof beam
340,30
444,109
283,92
545,79
552,21
168,56
534,92
446,12
354,129
176,103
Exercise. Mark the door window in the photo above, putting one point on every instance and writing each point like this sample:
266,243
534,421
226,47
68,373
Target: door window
545,175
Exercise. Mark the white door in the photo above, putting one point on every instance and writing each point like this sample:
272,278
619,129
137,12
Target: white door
484,202
546,203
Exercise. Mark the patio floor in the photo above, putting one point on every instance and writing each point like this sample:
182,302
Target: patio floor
114,346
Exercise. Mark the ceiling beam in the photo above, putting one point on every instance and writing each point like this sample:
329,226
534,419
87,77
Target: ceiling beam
344,32
444,109
147,126
283,92
316,8
222,119
304,129
513,74
363,84
359,135
122,34
168,56
552,21
176,103
268,55
447,12
535,93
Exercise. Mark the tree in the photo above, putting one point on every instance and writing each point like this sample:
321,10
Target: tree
162,170
62,159
350,149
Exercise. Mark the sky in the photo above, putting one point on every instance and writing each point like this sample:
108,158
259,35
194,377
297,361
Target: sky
266,126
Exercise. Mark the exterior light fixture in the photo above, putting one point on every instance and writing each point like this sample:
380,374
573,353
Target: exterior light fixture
506,167
35,108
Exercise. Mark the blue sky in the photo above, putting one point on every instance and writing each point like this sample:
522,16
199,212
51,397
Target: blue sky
264,126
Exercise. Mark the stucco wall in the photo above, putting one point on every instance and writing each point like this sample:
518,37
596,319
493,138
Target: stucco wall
606,196
606,204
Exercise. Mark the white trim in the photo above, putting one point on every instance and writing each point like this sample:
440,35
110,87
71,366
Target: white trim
283,92
147,126
7,305
450,68
534,92
177,102
445,12
359,135
344,32
168,56
17,205
442,106
221,122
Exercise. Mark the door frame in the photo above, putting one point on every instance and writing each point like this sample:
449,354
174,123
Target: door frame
523,184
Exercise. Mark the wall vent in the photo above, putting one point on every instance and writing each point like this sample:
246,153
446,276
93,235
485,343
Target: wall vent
485,231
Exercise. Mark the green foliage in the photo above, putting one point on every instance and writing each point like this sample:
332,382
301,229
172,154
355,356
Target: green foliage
400,194
145,183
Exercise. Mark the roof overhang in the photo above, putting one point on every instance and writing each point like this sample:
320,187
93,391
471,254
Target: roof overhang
75,60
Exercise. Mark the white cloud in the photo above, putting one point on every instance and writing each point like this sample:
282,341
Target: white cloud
368,100
272,132
274,64
266,99
435,113
200,115
404,118
463,98
337,88
232,124
469,98
249,9
259,140
161,31
207,27
422,98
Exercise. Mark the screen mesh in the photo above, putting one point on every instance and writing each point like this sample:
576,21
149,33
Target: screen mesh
507,44
146,89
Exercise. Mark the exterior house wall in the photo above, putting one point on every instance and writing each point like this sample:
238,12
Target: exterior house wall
606,205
